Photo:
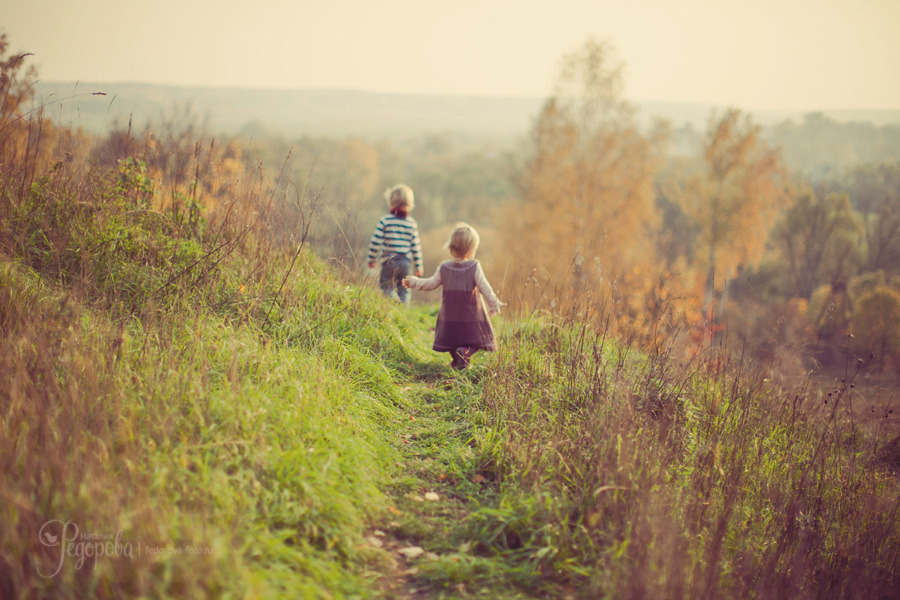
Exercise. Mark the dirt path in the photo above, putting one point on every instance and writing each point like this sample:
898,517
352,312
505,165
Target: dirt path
436,487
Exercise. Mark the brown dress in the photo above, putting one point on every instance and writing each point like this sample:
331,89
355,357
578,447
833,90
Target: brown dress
462,319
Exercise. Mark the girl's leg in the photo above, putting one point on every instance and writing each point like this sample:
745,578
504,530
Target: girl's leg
465,353
457,362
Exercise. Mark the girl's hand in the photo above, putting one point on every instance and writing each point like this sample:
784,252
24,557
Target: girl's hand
405,282
372,264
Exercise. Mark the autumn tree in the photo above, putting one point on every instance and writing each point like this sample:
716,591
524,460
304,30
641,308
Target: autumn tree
876,327
461,183
736,200
350,173
587,189
818,241
875,191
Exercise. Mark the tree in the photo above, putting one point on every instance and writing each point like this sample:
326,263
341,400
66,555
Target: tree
818,240
875,191
876,326
587,189
737,198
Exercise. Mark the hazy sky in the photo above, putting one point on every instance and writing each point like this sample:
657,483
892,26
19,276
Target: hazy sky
751,54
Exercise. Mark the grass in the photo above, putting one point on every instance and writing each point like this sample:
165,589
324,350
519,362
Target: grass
221,414
197,436
708,484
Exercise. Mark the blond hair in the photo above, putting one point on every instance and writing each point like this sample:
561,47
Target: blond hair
463,240
400,197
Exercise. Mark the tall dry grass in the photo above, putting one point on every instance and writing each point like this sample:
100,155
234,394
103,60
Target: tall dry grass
637,474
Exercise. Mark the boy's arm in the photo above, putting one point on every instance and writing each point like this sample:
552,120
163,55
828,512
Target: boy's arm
425,285
417,252
487,291
375,244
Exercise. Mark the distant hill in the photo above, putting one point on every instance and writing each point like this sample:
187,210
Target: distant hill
288,112
820,143
345,112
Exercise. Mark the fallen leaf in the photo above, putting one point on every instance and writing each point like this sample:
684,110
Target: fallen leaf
478,478
393,510
431,496
374,541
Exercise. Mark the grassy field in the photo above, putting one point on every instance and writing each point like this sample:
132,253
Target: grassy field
196,407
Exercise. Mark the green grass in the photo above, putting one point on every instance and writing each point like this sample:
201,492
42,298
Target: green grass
253,424
272,457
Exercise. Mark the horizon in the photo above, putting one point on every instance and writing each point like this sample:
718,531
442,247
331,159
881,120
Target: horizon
80,89
254,88
756,56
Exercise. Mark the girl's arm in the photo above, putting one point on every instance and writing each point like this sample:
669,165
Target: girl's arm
417,283
487,291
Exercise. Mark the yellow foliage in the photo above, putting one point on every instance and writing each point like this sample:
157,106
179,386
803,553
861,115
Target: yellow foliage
581,226
876,327
738,198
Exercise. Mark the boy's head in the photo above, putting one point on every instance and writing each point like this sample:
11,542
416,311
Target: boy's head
400,199
463,241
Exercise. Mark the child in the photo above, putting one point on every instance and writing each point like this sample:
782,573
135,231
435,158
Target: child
462,327
397,239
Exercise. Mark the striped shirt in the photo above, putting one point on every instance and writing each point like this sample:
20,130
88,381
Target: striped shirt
397,235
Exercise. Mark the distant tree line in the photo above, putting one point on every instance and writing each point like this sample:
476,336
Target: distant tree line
681,231
690,245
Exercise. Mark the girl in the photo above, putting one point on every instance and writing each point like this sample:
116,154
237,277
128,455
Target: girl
396,237
462,327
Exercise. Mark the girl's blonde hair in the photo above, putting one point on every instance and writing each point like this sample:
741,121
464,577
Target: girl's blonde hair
463,240
400,197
